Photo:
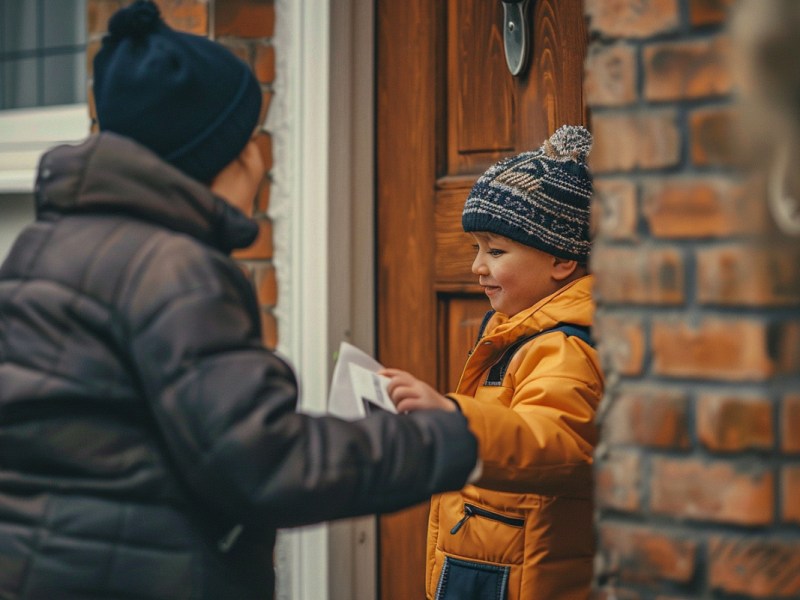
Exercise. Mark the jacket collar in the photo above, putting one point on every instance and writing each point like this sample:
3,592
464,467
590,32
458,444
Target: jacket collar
108,173
571,304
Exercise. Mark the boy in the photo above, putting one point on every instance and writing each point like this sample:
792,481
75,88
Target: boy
149,443
529,389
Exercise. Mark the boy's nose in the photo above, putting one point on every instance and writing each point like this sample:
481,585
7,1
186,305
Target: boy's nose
479,267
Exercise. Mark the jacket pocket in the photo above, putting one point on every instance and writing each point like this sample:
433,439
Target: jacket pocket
465,580
470,510
474,531
478,554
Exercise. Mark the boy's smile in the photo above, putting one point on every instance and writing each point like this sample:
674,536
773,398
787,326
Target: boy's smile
513,276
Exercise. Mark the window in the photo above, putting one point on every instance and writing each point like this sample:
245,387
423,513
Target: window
42,84
42,53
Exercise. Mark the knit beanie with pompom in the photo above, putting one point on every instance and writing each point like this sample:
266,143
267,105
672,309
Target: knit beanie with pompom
539,198
187,98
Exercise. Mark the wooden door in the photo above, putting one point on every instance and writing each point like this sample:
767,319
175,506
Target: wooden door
447,108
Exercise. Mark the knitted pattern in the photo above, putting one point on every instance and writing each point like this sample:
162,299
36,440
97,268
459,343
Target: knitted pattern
540,198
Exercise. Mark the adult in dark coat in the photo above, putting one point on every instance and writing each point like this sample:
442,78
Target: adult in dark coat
149,444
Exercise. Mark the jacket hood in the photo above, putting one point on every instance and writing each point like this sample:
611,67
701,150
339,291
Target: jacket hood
108,173
570,304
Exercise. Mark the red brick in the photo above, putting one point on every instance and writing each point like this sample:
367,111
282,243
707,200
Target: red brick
618,480
696,208
622,343
264,143
244,18
186,15
687,70
721,492
632,18
790,494
265,104
264,63
262,247
642,140
744,275
99,12
713,142
731,423
266,285
790,423
758,568
638,275
725,349
641,554
262,199
708,12
269,330
784,346
611,75
614,211
647,417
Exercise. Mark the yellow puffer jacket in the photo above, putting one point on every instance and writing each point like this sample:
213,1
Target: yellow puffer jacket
525,530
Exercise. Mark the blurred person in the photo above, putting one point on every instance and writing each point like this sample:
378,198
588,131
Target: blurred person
765,68
149,443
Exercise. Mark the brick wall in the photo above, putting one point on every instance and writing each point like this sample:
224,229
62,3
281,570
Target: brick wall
698,470
246,27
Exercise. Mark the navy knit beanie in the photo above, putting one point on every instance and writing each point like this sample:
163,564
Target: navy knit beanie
540,198
188,99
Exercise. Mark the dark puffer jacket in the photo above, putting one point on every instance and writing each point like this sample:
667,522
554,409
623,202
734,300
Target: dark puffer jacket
149,444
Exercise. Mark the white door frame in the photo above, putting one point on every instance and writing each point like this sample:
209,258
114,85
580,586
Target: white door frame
321,203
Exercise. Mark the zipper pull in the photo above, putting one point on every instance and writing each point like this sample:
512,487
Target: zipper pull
468,512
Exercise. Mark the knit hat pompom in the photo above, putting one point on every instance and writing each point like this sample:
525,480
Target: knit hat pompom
540,198
569,142
136,21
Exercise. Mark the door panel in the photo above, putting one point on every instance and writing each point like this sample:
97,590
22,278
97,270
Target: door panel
460,320
447,108
480,96
453,262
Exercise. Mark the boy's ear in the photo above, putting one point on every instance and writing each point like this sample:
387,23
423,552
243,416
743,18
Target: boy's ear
563,268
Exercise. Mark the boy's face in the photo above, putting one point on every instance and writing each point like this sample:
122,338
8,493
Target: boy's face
514,276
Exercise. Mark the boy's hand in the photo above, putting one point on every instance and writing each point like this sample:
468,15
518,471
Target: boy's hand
409,393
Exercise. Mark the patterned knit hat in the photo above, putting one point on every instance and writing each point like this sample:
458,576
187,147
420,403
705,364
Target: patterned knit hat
540,199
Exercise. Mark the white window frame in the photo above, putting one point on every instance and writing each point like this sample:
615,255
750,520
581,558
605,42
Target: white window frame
27,132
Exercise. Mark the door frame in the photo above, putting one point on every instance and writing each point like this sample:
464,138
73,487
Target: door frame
321,205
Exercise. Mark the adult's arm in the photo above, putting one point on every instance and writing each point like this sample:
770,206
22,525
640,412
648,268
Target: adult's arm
226,408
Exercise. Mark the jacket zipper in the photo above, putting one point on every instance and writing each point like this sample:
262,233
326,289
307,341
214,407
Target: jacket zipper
471,510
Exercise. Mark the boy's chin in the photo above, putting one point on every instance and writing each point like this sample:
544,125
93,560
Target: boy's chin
498,308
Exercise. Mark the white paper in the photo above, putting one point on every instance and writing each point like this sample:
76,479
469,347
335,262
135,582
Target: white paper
355,386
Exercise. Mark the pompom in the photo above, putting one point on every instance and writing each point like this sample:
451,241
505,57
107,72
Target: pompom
137,20
569,142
